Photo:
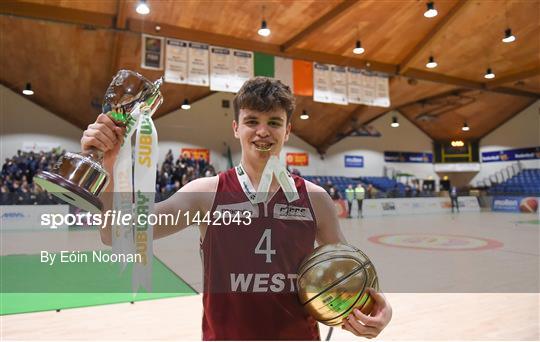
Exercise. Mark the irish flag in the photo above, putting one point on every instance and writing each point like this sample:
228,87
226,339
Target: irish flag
297,74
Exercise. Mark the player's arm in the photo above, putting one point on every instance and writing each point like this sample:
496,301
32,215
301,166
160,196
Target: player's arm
104,135
328,231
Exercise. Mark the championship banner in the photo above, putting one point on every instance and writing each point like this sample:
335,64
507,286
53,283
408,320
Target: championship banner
221,73
297,159
198,64
176,62
152,52
408,157
196,153
338,92
321,83
242,62
511,155
366,89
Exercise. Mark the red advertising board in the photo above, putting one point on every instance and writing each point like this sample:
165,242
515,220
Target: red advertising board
196,153
297,159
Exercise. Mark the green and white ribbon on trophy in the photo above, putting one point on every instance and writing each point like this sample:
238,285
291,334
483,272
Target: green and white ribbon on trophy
135,195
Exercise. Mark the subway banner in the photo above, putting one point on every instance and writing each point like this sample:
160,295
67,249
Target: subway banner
511,155
408,157
297,159
196,153
515,204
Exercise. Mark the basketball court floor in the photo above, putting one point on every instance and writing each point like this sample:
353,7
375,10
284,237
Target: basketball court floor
468,276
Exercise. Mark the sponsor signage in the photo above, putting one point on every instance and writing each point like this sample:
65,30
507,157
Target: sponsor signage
511,155
297,159
196,153
408,157
420,205
515,204
354,161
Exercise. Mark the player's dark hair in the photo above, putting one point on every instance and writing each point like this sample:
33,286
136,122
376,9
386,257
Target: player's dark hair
264,94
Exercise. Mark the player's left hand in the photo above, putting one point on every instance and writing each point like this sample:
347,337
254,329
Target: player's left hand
370,326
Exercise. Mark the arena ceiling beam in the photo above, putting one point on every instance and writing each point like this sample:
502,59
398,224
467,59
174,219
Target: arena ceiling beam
424,44
513,77
317,24
58,14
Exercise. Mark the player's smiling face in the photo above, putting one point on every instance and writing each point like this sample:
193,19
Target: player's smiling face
261,134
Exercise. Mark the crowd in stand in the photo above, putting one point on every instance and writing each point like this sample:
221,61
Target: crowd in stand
175,174
17,178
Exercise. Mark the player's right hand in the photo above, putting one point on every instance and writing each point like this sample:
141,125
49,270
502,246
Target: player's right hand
103,135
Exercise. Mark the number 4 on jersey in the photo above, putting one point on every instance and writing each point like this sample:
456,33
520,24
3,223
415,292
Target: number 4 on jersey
266,239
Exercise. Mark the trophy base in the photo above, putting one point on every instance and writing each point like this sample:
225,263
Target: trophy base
69,192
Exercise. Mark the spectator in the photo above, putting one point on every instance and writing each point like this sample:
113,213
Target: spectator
350,196
359,194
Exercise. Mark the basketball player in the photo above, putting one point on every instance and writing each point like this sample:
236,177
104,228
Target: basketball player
250,268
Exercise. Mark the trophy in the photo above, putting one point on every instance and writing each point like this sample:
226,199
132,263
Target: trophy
79,178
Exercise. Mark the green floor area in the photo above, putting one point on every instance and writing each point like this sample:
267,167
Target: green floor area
535,222
28,285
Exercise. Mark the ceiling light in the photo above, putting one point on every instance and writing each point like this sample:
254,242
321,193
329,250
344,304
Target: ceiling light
185,105
264,30
457,143
489,74
431,11
28,89
465,127
394,123
304,115
358,49
431,63
142,8
508,36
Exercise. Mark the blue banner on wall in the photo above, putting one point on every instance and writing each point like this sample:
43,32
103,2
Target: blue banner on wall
408,157
354,161
515,204
511,155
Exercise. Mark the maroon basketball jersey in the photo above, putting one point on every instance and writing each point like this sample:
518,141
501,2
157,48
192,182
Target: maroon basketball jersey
250,270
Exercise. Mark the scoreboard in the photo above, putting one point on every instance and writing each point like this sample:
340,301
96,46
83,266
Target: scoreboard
456,151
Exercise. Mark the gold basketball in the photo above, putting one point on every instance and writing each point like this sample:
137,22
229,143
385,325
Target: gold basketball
332,281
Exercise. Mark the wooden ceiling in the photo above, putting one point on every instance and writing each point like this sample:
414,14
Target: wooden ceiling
69,50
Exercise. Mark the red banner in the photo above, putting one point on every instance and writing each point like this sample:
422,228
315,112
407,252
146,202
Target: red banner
196,153
297,159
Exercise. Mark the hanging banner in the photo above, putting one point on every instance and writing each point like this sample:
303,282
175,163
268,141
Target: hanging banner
321,83
511,155
196,153
338,89
242,62
297,159
152,52
221,73
366,89
302,77
382,93
176,61
197,73
354,85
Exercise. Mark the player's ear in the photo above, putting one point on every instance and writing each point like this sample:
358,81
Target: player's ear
235,129
288,131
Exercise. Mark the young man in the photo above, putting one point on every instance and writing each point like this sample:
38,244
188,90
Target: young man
250,268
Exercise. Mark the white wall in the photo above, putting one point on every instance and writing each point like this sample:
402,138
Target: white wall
208,125
523,130
23,121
